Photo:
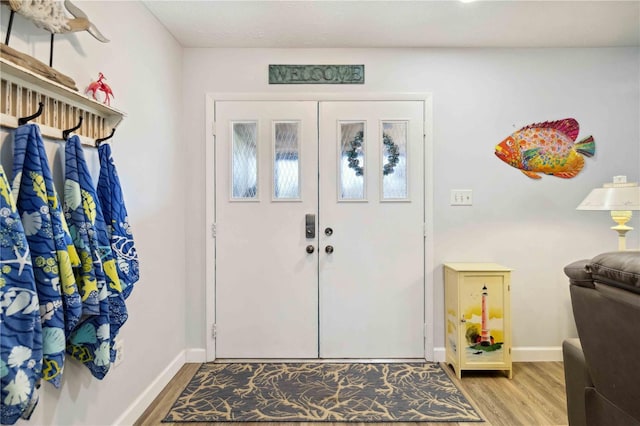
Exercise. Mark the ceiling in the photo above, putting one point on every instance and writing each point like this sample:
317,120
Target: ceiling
363,23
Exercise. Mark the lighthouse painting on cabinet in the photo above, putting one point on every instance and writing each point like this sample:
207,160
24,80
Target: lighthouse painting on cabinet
478,326
484,320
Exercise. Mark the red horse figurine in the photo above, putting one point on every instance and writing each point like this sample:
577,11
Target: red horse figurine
102,86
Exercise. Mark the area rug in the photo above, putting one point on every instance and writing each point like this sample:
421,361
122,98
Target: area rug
310,392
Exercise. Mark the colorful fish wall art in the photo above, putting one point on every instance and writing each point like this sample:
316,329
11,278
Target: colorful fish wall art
548,148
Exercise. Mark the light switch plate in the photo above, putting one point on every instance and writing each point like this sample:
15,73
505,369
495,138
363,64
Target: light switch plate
461,197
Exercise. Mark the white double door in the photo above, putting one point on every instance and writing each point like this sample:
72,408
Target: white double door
319,212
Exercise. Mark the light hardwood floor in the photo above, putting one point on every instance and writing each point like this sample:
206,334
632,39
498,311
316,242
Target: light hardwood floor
534,397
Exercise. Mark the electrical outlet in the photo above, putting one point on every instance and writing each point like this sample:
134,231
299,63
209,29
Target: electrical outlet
461,197
118,346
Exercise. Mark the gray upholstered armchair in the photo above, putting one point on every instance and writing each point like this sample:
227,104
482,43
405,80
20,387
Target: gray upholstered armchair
602,367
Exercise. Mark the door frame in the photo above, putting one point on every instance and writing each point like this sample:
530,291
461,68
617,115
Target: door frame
210,189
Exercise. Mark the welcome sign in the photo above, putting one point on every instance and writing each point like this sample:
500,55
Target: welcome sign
316,74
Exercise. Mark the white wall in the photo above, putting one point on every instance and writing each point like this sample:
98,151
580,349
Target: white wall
480,96
143,64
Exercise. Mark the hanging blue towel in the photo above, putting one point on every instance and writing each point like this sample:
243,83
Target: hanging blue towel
92,342
117,220
50,244
20,329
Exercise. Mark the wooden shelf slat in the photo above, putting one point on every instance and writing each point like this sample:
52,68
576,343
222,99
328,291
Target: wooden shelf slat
22,89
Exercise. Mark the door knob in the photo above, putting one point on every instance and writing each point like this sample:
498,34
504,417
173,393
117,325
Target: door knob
310,249
328,232
328,249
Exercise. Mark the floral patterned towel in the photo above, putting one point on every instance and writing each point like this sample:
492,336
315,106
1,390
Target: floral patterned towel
52,251
20,329
92,342
117,220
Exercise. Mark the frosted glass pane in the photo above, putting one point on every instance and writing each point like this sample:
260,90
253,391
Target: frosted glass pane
244,162
394,160
286,173
352,147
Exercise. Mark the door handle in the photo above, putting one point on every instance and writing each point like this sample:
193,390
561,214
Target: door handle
328,249
310,226
310,249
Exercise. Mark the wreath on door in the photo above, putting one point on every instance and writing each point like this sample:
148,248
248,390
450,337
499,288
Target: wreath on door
393,154
355,149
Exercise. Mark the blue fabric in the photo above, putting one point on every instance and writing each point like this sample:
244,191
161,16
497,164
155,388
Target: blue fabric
117,220
92,342
52,252
20,329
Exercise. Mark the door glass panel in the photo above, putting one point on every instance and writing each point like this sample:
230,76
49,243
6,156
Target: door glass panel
286,170
244,161
394,160
352,148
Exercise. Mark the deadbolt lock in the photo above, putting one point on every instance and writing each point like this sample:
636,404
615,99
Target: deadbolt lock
310,225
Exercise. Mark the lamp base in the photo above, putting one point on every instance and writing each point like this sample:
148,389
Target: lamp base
621,217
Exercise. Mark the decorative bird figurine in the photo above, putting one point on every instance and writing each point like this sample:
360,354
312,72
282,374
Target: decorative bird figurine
102,86
51,15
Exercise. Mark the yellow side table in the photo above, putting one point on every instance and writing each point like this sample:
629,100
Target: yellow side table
477,317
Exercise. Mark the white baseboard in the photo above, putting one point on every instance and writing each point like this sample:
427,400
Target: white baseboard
196,355
536,353
519,354
147,396
439,354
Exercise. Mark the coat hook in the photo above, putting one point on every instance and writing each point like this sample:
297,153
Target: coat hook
25,120
6,40
65,133
100,140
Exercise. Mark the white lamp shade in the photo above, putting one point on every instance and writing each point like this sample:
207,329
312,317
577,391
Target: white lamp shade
612,198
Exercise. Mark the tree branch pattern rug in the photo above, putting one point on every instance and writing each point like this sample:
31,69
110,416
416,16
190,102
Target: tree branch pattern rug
308,392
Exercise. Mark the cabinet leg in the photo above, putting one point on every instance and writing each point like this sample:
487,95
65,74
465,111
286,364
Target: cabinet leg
456,370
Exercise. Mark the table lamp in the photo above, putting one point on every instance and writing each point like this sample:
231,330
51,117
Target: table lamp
618,197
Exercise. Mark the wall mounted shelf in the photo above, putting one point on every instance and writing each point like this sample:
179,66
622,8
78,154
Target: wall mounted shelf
22,90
